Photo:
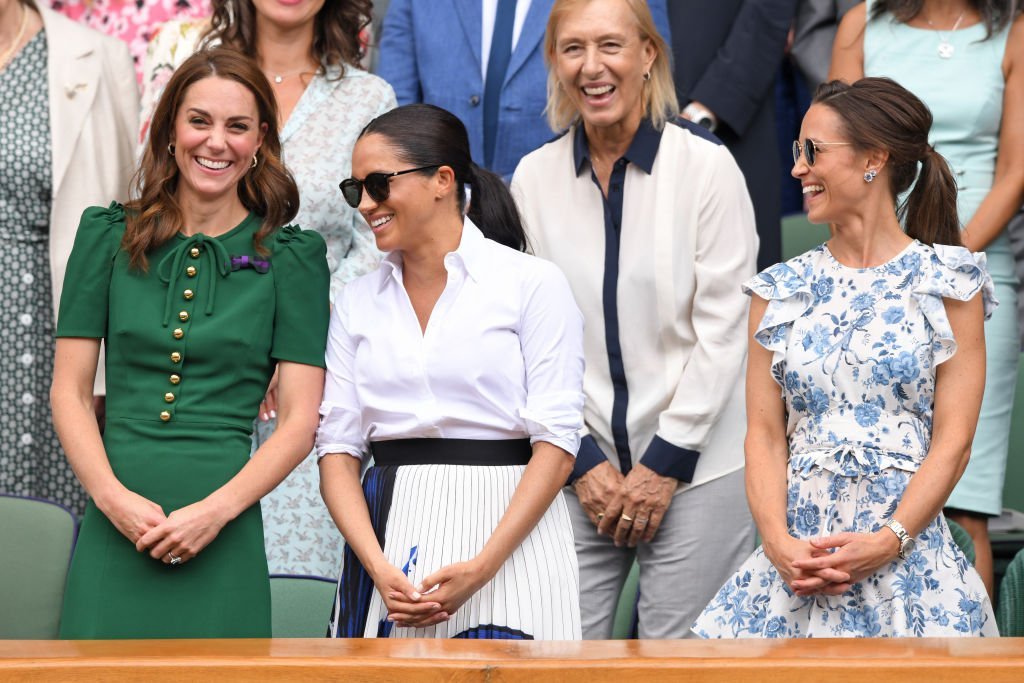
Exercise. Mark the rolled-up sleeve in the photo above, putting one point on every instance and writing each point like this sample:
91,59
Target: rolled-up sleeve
551,338
340,428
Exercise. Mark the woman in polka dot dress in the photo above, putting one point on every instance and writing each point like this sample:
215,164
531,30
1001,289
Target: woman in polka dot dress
64,144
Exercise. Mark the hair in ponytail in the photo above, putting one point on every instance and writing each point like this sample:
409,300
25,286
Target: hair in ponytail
426,135
880,114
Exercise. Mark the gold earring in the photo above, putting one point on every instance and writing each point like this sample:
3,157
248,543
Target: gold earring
254,161
647,75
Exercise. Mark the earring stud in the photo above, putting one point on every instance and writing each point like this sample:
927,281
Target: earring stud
870,175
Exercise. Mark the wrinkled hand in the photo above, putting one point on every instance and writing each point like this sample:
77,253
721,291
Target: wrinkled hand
406,606
856,555
268,406
643,498
132,514
453,585
785,553
597,488
184,533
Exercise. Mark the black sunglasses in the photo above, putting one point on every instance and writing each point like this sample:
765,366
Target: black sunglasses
377,185
810,149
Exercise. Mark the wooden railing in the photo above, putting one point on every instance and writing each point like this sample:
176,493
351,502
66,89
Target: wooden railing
621,661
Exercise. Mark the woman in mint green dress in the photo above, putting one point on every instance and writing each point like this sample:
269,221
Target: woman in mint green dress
965,60
177,285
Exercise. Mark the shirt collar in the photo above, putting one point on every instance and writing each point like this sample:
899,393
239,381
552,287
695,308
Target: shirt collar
641,152
471,255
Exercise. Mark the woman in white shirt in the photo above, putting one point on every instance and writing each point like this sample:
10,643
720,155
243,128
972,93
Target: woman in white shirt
649,218
463,379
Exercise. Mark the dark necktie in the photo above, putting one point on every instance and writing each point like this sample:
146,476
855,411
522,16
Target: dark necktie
497,65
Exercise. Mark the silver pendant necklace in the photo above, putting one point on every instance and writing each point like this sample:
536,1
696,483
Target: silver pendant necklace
946,49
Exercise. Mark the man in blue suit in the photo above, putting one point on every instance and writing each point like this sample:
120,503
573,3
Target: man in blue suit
436,51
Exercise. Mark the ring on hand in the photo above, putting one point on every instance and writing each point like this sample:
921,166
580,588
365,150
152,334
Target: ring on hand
600,516
640,522
174,558
626,518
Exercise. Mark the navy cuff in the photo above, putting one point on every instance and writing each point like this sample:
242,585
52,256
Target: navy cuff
588,457
670,461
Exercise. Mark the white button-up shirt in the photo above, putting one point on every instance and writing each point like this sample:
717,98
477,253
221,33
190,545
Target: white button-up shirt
501,357
656,267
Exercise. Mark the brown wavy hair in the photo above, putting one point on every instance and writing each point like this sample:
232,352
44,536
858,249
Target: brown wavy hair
268,190
880,114
336,29
995,14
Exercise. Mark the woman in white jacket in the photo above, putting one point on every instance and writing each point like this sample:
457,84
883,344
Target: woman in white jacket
68,116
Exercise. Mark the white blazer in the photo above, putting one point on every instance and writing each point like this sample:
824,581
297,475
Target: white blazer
94,116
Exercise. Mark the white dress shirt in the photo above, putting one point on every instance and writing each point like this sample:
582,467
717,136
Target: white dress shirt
656,268
501,357
490,12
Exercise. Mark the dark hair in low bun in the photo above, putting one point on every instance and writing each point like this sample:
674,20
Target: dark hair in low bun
879,113
426,135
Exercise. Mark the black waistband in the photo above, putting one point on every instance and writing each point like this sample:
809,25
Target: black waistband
480,452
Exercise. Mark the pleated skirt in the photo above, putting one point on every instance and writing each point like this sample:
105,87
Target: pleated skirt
429,516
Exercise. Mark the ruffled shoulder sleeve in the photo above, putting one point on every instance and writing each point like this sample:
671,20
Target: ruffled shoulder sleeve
86,291
952,273
302,285
787,289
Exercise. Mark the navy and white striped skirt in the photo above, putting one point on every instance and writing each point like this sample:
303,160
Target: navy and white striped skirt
429,516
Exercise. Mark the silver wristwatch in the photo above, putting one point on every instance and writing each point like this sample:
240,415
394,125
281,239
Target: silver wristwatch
907,542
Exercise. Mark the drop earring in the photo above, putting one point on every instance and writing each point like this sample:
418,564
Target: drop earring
870,175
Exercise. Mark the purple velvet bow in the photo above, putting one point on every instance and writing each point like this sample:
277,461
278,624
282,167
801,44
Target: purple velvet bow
240,262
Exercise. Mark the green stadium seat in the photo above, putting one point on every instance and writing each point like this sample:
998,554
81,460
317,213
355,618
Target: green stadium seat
1010,610
36,540
300,605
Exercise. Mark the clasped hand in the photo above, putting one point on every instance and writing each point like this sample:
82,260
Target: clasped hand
438,597
628,508
184,533
832,564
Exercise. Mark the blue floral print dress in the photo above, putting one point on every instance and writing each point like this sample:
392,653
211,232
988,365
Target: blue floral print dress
855,352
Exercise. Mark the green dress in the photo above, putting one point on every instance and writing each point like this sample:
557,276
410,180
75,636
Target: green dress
191,344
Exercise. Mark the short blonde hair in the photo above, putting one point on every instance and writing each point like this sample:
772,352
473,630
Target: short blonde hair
659,93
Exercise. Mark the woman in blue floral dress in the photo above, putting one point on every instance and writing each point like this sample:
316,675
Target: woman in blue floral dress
876,340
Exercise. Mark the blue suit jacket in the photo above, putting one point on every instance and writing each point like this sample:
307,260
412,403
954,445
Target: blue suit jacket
430,52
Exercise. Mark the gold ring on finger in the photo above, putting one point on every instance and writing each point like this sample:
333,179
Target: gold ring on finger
600,516
626,518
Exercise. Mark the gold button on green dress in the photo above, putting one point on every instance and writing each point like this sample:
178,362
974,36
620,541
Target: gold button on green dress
176,448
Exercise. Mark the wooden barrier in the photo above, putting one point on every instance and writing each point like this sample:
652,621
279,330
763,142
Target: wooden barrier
622,661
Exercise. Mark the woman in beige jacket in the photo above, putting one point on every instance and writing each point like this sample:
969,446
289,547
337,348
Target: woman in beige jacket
68,116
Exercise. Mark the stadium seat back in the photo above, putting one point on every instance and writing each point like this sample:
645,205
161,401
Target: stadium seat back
300,605
1010,610
36,540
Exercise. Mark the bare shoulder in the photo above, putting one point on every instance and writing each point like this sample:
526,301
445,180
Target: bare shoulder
1014,56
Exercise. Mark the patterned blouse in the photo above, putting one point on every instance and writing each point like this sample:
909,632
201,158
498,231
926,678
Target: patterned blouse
133,21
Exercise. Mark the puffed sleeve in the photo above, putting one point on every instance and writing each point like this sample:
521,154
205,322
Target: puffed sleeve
85,295
789,296
953,273
551,338
302,283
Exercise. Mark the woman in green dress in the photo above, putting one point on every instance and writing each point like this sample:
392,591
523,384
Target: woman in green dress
177,285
